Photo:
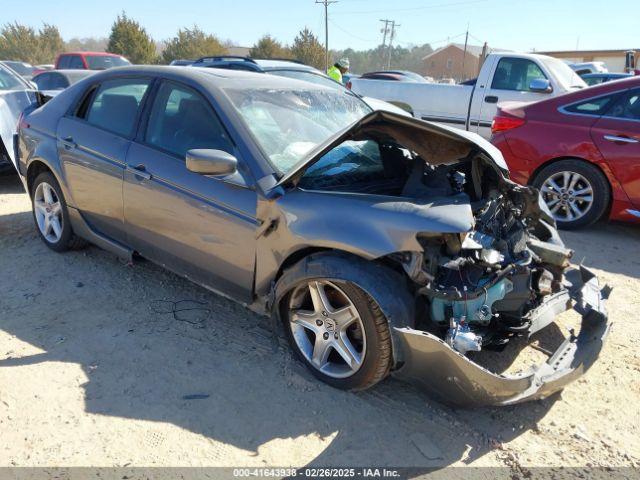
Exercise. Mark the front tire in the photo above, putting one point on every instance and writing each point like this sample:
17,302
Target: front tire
338,331
576,192
51,215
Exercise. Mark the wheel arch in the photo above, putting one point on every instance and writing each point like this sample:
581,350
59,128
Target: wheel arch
35,168
603,168
386,287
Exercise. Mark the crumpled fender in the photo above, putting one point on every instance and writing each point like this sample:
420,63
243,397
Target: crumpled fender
431,364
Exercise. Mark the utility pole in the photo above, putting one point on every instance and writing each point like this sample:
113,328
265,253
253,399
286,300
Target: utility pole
384,31
326,4
394,25
464,55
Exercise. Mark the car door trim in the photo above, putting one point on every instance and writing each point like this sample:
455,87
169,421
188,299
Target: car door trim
197,196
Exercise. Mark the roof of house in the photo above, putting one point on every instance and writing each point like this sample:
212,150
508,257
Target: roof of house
474,50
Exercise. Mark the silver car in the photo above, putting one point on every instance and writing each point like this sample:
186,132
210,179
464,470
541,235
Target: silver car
383,243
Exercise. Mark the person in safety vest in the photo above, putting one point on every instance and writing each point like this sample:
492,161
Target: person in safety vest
339,68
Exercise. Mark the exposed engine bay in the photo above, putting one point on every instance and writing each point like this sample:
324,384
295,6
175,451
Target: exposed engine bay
482,287
478,259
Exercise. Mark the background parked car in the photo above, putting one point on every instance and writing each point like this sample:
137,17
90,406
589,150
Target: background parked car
90,61
398,75
16,94
289,69
181,62
24,69
503,77
597,78
54,81
584,68
581,149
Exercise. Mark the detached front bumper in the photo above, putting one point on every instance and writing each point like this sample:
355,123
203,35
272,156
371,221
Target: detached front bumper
431,364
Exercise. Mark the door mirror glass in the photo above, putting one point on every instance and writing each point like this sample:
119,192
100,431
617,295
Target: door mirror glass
540,85
210,162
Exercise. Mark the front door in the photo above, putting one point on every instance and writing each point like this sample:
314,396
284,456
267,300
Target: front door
92,147
617,135
511,79
199,226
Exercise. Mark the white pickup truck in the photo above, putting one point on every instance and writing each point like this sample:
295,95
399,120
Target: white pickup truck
503,77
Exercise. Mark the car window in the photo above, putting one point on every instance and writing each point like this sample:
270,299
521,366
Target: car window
116,104
63,61
75,62
8,81
627,107
102,62
516,74
345,164
181,119
594,80
593,106
308,77
50,81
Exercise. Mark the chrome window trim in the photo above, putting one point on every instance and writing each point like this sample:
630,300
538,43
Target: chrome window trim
562,108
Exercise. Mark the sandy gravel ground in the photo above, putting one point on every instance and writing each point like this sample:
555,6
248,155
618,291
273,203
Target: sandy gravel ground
96,371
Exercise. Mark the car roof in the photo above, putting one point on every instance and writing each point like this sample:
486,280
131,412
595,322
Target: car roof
606,74
70,73
272,64
95,54
216,78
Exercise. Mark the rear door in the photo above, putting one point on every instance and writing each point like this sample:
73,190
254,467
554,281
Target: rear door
92,147
199,226
510,81
617,135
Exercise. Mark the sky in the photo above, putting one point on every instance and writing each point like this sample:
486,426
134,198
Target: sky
520,25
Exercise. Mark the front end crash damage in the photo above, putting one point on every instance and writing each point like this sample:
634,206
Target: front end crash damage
480,255
431,363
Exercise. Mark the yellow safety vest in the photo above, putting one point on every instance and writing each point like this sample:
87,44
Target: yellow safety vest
334,72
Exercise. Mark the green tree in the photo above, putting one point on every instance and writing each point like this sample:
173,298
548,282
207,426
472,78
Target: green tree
50,43
192,43
269,47
130,39
308,49
19,42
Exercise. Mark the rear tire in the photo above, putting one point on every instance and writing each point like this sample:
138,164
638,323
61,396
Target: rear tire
51,216
576,192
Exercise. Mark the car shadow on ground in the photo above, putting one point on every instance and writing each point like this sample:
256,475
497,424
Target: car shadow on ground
209,366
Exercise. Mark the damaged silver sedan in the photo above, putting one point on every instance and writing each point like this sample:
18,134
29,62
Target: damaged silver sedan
384,244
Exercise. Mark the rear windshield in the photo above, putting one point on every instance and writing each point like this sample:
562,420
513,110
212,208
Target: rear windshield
102,62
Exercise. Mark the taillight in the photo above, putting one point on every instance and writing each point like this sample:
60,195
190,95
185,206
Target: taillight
500,123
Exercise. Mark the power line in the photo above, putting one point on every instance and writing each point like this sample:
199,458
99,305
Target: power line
326,4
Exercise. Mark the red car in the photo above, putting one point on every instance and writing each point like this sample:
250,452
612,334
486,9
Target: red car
89,61
582,150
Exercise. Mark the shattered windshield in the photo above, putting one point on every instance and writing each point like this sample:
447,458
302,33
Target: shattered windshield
289,123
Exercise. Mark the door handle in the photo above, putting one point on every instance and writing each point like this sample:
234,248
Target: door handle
139,171
68,143
616,138
491,99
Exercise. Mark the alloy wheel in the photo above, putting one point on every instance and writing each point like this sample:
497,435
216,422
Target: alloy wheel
327,328
568,195
48,212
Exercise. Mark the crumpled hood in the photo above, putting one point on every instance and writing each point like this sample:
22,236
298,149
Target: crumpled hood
437,144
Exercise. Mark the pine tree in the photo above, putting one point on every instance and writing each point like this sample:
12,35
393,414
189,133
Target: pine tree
129,39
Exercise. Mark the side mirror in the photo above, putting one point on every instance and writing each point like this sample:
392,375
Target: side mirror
210,162
540,85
